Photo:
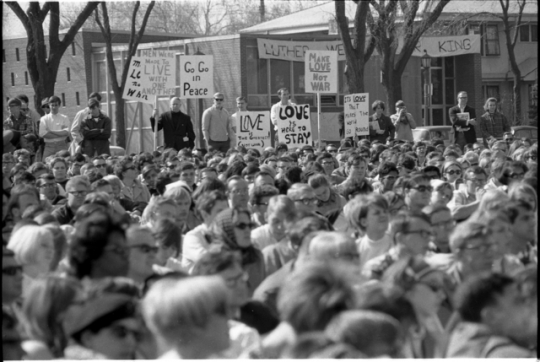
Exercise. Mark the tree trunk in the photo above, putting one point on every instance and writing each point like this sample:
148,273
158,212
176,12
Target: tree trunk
517,99
119,116
261,10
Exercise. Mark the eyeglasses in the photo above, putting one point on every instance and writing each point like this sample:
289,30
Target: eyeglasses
481,248
12,270
478,181
78,193
454,172
219,99
240,192
328,163
130,168
510,139
307,201
233,282
47,107
47,186
423,188
426,234
244,225
101,165
121,332
533,158
24,109
145,249
332,151
390,178
514,175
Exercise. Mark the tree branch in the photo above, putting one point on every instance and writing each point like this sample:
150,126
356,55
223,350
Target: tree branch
74,29
19,12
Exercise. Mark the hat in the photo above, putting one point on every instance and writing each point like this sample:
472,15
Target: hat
268,169
14,102
106,308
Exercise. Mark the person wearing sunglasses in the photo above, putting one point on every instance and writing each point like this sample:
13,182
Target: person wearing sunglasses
452,172
142,252
217,126
417,191
177,126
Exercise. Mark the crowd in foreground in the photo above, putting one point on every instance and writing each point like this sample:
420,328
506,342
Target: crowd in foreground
396,250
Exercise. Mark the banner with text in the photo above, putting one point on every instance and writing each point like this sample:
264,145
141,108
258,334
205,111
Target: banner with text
196,76
294,126
321,71
253,130
356,114
151,74
446,46
296,50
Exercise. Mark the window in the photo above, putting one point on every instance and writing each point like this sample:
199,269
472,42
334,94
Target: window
489,38
26,78
17,53
491,91
68,74
12,79
528,33
73,49
63,99
77,98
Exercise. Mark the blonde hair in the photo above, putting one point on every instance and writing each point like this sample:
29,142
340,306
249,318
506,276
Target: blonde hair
326,245
26,241
147,217
176,307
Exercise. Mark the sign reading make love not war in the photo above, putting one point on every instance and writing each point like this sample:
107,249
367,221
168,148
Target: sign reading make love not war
151,74
294,125
321,71
356,114
196,76
253,130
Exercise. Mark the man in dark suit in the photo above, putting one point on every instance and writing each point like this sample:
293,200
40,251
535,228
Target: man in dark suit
463,129
177,127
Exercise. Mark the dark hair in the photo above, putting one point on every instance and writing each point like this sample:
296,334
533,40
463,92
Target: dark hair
378,103
95,95
386,167
479,292
258,192
305,226
55,99
208,185
208,199
93,103
168,235
213,263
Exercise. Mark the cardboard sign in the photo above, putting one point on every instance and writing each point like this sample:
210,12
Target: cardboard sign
356,114
151,74
196,76
294,126
253,129
321,71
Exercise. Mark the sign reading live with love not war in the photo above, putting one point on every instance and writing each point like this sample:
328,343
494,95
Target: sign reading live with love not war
253,130
151,74
196,76
356,114
321,71
294,125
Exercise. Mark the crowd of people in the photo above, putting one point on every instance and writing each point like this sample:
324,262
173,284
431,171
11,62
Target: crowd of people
380,247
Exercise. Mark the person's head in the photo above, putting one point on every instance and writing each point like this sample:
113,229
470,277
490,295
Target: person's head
321,185
327,162
174,104
378,107
75,163
356,167
442,225
168,237
232,228
12,276
228,265
417,191
142,252
77,188
452,171
259,200
249,173
280,215
388,174
34,249
412,231
182,197
330,246
59,167
100,164
525,192
241,104
218,100
187,173
462,98
473,245
105,323
22,196
237,192
501,146
493,300
98,248
475,177
115,183
442,192
303,196
126,170
24,178
189,315
512,171
530,156
47,186
369,213
54,104
283,94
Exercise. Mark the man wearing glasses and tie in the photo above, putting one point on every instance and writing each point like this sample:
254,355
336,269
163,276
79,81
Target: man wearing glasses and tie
217,126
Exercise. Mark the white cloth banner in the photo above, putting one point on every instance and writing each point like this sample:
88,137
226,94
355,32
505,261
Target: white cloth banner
446,46
296,50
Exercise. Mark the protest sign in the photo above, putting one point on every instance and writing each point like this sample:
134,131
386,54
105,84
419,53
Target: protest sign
253,129
356,114
196,76
294,125
151,74
321,71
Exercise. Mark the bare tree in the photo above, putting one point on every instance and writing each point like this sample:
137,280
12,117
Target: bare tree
134,40
356,53
386,29
43,67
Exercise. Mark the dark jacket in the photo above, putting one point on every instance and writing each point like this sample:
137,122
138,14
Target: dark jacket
63,214
470,135
175,127
385,124
96,135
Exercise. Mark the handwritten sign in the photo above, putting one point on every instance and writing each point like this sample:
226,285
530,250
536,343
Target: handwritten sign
445,46
294,126
356,114
253,129
151,74
196,76
321,71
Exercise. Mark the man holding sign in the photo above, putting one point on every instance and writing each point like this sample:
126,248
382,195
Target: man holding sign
284,97
177,127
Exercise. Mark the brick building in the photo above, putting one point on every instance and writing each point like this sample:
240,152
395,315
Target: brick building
75,75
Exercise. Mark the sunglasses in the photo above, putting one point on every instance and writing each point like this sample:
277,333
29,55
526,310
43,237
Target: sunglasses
307,201
452,172
244,225
514,175
423,188
78,193
219,99
332,151
146,249
24,109
42,107
12,270
121,332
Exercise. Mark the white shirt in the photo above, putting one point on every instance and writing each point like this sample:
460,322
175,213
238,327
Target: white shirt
55,123
274,112
370,249
194,246
262,237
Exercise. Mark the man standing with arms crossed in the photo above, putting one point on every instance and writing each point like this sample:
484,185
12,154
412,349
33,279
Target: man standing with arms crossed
284,97
54,128
177,127
464,131
216,125
75,130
